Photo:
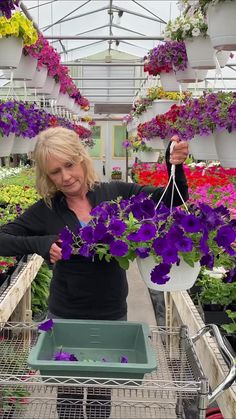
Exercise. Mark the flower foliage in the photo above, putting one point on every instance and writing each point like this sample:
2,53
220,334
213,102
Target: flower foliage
128,228
186,26
20,27
165,58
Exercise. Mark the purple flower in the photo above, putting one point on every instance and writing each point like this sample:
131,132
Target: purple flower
124,359
169,254
142,252
64,356
86,234
159,274
225,236
184,244
117,227
99,232
118,248
86,251
191,224
146,232
46,326
66,236
207,260
66,251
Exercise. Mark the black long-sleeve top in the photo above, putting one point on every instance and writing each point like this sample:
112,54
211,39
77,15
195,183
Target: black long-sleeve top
81,288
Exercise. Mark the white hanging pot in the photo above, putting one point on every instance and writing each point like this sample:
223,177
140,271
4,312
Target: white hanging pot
55,91
190,75
201,54
32,142
162,106
21,145
48,86
221,25
10,52
169,82
226,148
182,277
62,99
148,156
203,147
70,103
76,109
146,116
39,78
6,144
25,70
156,143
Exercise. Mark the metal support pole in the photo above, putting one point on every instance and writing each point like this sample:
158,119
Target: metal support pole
105,37
94,64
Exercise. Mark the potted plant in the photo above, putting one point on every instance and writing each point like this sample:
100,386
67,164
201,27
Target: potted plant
221,29
14,34
192,29
230,329
116,173
167,240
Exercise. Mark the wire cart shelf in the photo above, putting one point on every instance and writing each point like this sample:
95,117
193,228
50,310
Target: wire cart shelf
178,385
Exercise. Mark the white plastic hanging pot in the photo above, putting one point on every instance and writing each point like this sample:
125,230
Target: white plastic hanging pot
226,148
32,142
62,99
190,75
6,144
148,156
25,70
21,145
201,54
162,106
39,78
156,143
203,147
221,25
169,82
48,86
55,91
182,277
10,52
146,116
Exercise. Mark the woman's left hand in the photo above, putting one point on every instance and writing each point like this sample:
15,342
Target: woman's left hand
180,151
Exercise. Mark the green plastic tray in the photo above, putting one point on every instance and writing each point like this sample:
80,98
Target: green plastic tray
90,341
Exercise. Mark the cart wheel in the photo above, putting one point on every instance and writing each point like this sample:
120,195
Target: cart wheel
214,413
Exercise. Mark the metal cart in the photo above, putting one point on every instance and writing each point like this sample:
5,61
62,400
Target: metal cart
177,389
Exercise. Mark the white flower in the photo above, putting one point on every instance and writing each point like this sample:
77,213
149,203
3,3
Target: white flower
186,27
196,32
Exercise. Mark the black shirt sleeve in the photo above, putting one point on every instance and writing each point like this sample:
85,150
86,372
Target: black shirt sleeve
26,234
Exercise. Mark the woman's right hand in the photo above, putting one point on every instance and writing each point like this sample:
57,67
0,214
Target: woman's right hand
55,252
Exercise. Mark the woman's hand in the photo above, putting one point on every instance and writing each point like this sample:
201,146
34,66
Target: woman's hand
180,152
55,252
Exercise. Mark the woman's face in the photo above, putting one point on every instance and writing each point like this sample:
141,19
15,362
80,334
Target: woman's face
67,176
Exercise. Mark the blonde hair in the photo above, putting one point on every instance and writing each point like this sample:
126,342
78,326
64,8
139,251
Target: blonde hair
61,143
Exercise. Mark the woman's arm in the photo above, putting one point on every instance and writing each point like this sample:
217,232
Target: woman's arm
26,234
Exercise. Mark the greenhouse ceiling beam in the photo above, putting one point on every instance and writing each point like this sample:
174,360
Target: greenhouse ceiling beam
145,8
126,29
108,78
82,15
158,20
90,30
104,37
40,5
82,46
108,88
62,19
133,45
109,96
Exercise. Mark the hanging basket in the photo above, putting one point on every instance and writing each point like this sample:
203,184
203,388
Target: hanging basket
148,156
190,75
221,25
10,52
162,106
55,91
62,99
201,54
156,143
21,145
169,82
48,86
182,277
32,144
203,147
25,70
6,144
226,148
39,78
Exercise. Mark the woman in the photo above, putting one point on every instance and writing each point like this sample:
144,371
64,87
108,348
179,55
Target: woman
81,288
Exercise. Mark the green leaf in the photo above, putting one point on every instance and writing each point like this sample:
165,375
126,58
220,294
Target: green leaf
123,262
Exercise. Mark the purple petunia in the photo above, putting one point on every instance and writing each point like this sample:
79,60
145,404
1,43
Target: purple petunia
190,223
64,356
46,326
124,359
159,274
87,234
118,248
142,252
117,227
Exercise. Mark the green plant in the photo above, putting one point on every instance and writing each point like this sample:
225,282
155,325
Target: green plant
13,397
116,170
215,291
40,290
231,327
